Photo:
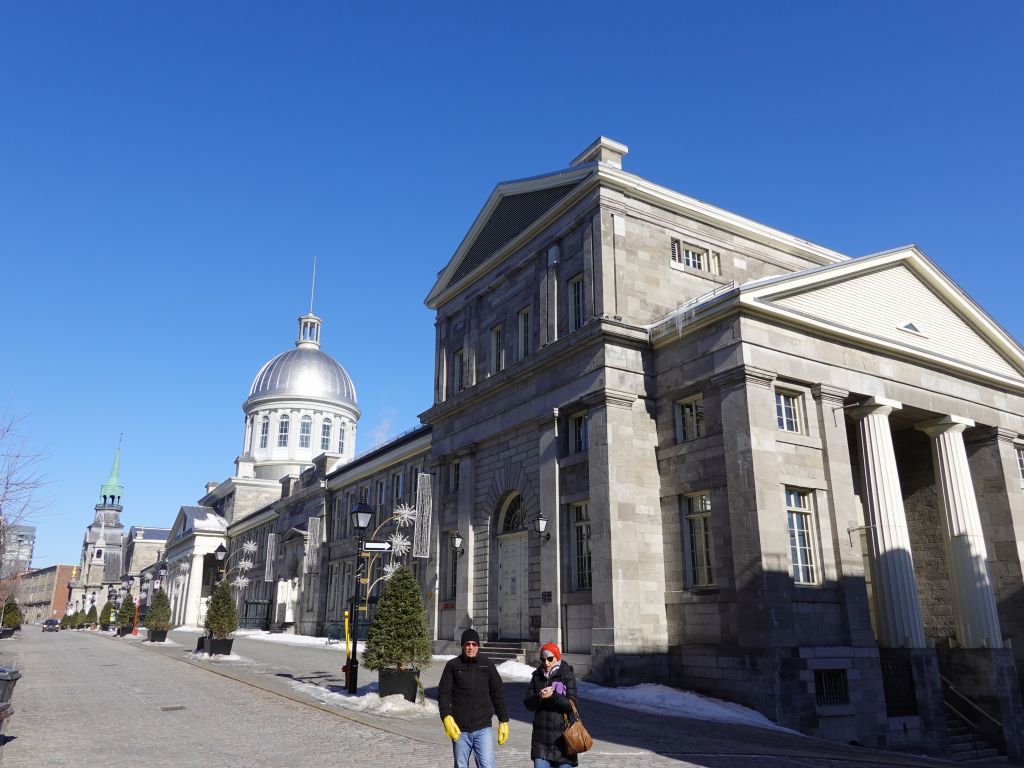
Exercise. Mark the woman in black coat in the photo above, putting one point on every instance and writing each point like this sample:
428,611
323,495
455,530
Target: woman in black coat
551,688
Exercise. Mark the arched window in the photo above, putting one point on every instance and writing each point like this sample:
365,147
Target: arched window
282,431
264,431
325,435
305,431
515,516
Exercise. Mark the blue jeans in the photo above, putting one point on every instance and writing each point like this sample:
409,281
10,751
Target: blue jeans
479,743
540,762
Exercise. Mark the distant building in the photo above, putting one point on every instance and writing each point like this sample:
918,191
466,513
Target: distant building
17,552
43,593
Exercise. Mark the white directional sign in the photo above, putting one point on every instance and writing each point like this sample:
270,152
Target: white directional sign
376,546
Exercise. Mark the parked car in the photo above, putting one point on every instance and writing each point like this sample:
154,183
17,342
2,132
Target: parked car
51,625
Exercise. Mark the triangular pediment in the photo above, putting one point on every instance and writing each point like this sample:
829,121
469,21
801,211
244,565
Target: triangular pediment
898,300
511,210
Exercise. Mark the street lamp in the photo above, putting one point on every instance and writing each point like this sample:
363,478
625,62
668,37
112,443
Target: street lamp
361,515
456,539
541,524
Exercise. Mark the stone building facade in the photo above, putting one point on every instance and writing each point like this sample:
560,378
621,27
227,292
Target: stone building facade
762,469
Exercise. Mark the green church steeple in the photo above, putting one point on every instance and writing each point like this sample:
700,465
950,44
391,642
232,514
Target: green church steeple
111,490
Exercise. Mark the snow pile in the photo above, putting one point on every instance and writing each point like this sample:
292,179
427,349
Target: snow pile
204,656
655,699
281,637
367,700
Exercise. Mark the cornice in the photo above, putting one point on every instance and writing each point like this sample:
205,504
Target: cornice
828,394
743,375
986,435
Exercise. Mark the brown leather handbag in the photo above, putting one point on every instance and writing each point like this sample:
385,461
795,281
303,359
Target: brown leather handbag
576,738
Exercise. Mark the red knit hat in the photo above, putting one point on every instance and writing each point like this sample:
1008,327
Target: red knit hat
552,649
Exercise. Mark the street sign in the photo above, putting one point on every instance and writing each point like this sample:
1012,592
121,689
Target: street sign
376,546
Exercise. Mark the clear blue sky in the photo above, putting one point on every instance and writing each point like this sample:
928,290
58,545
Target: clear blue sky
168,171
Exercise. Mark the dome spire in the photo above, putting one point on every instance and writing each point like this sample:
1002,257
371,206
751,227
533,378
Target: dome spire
309,324
111,490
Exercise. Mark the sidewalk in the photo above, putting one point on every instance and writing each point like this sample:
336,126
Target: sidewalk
618,733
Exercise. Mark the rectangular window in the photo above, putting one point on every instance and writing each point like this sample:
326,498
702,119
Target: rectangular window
264,431
282,432
341,438
458,382
694,257
714,263
700,553
453,573
325,435
397,487
380,494
582,574
496,361
787,412
1020,462
801,536
453,477
338,520
350,499
305,432
577,433
831,687
524,333
333,595
689,419
575,303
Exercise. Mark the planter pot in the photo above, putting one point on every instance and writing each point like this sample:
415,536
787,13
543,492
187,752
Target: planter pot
157,635
122,631
105,627
6,632
403,681
217,647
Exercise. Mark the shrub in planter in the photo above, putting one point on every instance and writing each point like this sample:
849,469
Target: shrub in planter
397,643
12,615
105,614
158,617
221,619
90,617
125,616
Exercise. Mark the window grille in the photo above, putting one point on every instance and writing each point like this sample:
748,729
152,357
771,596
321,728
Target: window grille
831,687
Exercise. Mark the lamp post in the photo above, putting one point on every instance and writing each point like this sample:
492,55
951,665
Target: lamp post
360,515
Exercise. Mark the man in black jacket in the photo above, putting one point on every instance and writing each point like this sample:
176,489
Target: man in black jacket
469,695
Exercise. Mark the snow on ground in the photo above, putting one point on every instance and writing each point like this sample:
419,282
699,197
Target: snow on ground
656,699
281,637
367,700
217,657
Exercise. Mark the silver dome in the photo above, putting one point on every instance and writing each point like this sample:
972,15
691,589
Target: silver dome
304,372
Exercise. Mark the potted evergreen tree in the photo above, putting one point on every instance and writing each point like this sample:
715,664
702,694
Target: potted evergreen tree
125,616
105,613
10,620
90,617
221,620
397,643
158,617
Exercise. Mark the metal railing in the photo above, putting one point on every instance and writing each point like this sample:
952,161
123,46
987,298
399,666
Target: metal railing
987,726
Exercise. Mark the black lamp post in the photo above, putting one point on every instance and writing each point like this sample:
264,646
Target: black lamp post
360,515
220,553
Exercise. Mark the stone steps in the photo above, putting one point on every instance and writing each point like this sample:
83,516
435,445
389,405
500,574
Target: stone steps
503,651
965,746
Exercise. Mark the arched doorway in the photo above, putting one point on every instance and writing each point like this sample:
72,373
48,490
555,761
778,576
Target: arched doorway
513,571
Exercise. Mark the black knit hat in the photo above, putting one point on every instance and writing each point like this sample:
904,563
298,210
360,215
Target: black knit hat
470,636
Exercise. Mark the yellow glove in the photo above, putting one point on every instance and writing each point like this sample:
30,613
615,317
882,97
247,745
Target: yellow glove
450,728
502,733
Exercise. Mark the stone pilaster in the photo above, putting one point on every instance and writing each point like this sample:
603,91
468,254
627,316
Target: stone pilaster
465,578
974,605
843,513
894,585
194,593
550,549
756,517
629,635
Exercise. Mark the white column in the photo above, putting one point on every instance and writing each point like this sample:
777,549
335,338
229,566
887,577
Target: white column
894,585
974,606
194,592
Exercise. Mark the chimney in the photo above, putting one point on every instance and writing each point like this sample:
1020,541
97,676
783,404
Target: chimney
603,150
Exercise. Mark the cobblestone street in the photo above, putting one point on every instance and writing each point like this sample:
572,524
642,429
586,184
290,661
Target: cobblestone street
159,709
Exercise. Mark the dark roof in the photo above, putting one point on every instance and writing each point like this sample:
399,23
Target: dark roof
149,534
509,219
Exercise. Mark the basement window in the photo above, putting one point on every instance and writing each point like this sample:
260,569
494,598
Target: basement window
831,687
